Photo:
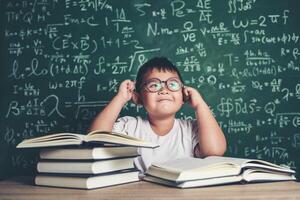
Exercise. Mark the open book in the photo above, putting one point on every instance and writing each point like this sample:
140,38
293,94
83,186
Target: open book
214,170
97,137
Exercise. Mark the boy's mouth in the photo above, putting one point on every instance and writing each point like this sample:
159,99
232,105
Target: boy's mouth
164,99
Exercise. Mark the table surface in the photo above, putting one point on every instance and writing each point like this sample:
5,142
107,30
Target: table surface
23,188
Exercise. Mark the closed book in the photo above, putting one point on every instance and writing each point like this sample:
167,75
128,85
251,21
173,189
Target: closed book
87,181
105,152
84,166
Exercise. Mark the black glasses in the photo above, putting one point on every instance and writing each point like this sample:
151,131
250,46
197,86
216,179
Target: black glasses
154,85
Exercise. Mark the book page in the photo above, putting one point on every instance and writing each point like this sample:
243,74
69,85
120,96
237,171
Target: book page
266,165
119,135
191,163
56,136
251,163
117,138
266,175
216,162
52,140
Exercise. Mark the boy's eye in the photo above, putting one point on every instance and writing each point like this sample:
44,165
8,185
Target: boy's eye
154,86
174,85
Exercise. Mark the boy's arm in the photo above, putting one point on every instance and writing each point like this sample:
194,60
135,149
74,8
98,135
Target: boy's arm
211,138
105,120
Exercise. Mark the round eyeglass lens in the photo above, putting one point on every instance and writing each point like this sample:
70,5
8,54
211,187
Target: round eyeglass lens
174,84
154,85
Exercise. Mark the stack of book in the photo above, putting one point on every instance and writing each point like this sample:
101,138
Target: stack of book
96,160
214,170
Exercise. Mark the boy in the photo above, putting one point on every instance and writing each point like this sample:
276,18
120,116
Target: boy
159,88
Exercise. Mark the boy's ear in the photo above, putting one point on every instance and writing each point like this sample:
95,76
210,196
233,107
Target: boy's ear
136,98
185,97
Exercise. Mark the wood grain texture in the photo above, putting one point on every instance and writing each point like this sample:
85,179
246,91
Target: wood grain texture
23,188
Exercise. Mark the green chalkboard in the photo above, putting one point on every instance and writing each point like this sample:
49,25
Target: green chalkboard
62,61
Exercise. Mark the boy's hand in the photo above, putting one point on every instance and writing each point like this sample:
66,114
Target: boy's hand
192,96
126,90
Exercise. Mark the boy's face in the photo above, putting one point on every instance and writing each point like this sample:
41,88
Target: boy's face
166,101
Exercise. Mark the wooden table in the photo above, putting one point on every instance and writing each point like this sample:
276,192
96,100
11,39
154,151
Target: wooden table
23,188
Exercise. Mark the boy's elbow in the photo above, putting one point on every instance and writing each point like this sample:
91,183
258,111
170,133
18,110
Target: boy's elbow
93,127
220,151
98,125
214,151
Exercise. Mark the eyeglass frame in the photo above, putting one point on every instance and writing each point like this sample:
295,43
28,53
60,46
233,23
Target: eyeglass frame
164,84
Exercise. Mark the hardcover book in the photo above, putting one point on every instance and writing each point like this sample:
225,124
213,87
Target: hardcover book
84,166
80,153
87,181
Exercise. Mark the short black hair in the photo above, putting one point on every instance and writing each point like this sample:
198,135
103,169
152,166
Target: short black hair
159,63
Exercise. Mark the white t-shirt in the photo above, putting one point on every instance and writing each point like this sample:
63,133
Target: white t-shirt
179,142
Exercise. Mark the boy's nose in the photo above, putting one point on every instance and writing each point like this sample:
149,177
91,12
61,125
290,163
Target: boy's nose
164,89
163,92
